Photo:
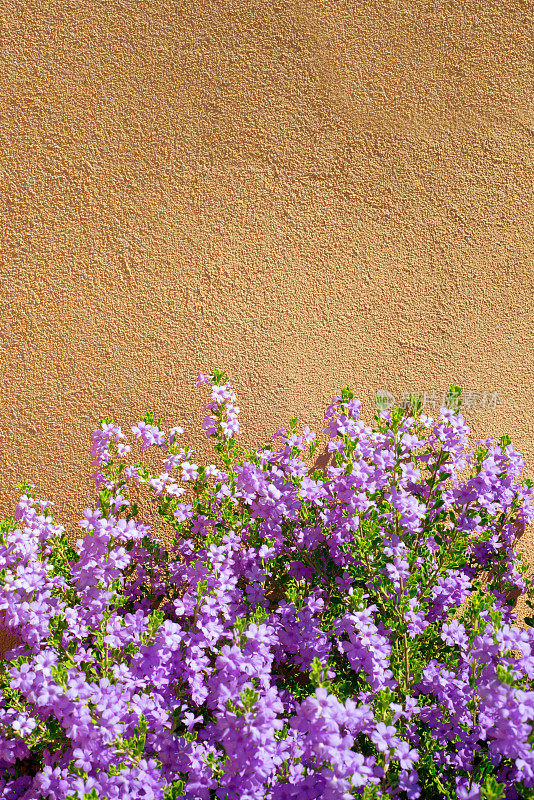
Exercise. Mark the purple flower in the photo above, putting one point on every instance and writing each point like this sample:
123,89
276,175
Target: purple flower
384,737
149,435
189,471
454,634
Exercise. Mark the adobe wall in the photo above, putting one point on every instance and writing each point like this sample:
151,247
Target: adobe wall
308,194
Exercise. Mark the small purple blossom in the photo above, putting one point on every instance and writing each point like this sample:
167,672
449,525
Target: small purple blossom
189,471
149,434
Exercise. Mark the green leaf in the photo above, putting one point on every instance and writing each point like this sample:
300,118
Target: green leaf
492,790
218,376
453,397
347,394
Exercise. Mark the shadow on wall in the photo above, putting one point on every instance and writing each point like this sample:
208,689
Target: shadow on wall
323,462
7,641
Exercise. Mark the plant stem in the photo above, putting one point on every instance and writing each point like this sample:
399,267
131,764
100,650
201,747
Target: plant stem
406,662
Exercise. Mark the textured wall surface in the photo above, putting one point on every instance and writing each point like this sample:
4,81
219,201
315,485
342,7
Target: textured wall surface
308,194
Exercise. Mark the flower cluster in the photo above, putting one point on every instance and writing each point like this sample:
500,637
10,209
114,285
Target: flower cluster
224,411
339,633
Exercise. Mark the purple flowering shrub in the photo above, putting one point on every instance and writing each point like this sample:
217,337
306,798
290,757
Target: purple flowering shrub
338,634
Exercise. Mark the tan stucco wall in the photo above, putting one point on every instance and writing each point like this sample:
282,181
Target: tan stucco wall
308,194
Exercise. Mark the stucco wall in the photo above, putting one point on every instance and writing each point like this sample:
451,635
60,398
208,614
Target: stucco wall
308,194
